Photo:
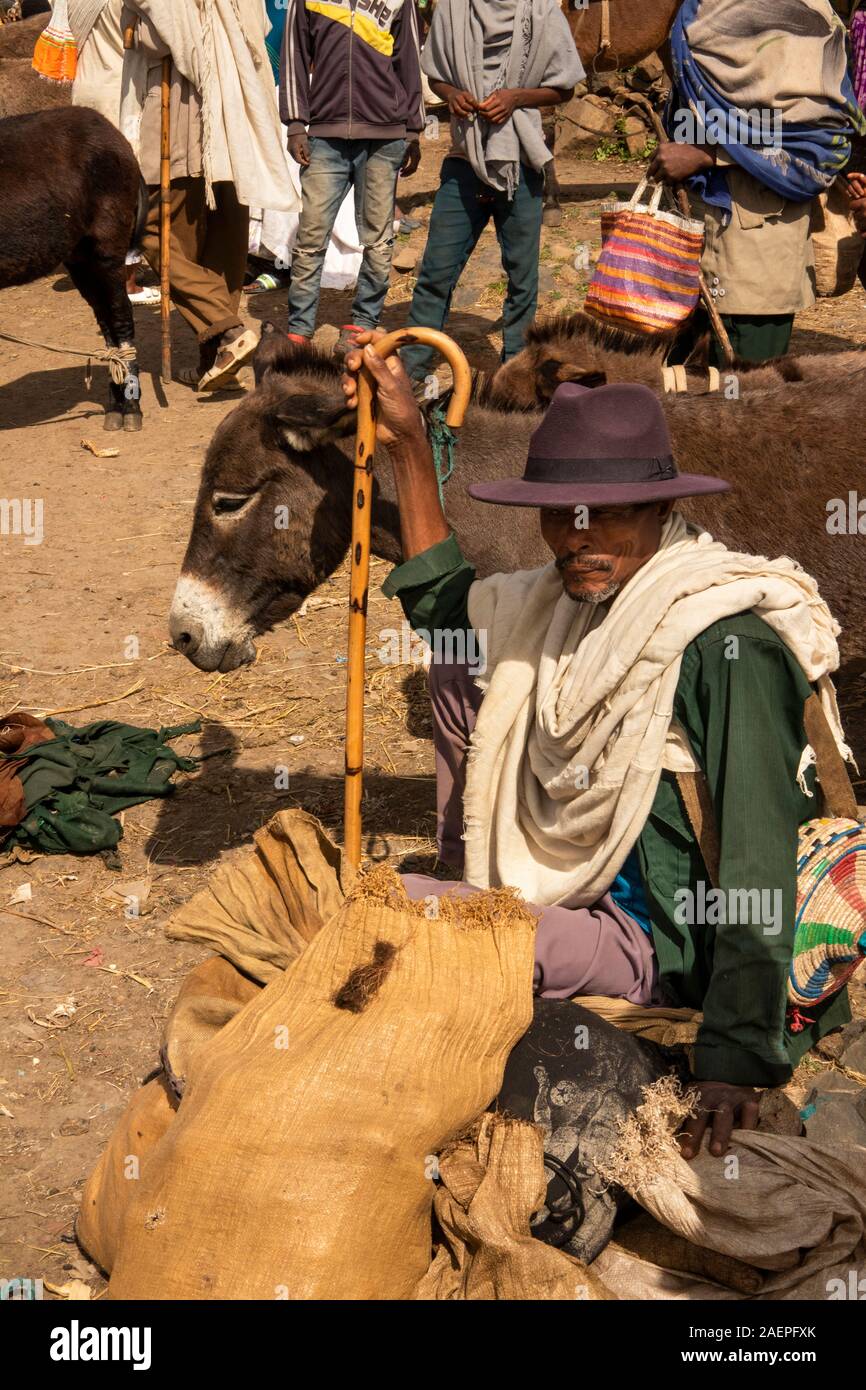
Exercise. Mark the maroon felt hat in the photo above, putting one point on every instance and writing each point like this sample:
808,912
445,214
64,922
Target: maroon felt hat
602,446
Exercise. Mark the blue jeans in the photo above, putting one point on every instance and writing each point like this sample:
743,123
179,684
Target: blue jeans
335,166
461,210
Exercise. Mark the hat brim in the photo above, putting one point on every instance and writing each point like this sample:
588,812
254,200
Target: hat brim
515,492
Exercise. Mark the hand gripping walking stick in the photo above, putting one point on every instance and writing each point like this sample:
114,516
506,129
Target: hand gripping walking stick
365,445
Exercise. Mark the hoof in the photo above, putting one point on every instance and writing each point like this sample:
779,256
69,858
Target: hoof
133,421
551,217
113,420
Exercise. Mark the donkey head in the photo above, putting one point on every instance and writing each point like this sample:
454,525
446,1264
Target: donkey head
272,517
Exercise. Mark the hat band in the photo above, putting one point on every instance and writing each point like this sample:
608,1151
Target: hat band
544,470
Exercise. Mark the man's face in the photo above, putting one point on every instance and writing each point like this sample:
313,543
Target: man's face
598,549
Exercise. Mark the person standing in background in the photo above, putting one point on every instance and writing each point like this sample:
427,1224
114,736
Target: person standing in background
95,26
761,117
350,94
495,62
226,153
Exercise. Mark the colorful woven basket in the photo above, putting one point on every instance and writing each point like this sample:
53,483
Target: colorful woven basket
648,274
55,55
830,929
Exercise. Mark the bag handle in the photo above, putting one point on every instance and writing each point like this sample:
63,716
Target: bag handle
655,199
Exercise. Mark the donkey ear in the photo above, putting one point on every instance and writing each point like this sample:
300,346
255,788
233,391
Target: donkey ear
552,373
270,352
307,413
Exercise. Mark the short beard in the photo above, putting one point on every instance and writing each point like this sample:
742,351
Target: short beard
595,596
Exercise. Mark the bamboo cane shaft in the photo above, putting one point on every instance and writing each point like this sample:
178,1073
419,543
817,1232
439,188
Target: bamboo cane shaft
165,218
365,447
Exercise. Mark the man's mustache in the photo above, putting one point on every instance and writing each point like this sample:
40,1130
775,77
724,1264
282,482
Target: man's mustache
589,564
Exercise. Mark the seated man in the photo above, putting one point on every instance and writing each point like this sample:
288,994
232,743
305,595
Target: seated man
642,653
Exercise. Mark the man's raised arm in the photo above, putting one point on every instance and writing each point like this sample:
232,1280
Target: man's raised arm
401,429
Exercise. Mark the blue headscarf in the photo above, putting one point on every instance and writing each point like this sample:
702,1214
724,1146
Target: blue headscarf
800,162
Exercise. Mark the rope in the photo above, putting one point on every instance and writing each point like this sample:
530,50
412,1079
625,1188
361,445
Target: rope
442,442
116,358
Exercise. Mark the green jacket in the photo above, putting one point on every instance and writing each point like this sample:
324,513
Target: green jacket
740,700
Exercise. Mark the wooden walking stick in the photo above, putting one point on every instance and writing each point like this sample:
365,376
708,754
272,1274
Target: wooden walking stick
165,217
365,445
164,201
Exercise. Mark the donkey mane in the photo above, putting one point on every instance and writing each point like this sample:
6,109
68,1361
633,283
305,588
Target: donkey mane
563,326
288,358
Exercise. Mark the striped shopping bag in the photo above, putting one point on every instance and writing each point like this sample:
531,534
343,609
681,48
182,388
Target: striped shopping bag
647,277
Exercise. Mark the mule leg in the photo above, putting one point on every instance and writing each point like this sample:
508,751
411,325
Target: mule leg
552,215
102,283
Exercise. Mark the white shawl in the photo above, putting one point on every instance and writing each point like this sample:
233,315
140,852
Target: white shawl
219,46
575,726
542,54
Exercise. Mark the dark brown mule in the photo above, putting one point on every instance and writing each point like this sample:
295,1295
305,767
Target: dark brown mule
73,195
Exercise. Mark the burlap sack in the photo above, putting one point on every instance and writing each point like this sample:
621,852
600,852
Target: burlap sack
260,909
209,998
792,1210
666,1026
115,1178
299,1164
837,244
492,1180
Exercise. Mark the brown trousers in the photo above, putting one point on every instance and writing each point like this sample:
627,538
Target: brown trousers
208,253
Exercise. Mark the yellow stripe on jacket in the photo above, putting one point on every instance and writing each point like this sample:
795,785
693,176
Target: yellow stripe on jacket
364,27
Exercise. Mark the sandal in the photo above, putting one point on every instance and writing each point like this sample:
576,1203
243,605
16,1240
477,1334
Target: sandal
268,281
229,360
146,294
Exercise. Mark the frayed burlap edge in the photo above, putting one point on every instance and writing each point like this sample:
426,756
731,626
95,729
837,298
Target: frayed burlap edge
647,1148
486,908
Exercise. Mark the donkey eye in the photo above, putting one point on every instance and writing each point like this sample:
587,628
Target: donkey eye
225,502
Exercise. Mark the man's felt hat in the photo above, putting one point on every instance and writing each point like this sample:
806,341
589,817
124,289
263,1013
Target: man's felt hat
602,446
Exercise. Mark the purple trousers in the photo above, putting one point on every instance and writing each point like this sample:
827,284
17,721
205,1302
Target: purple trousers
583,950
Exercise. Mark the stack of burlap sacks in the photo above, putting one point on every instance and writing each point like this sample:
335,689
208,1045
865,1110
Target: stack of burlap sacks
324,1092
324,1063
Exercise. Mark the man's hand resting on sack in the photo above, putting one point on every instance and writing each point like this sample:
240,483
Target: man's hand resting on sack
721,1109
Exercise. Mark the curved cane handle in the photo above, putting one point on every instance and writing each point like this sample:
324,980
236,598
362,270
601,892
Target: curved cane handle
454,356
365,447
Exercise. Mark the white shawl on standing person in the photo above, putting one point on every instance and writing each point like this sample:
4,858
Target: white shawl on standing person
218,46
82,15
575,725
541,54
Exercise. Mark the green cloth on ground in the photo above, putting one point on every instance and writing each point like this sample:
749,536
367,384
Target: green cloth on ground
754,337
76,784
743,715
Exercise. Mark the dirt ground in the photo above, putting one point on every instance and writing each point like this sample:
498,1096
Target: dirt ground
85,988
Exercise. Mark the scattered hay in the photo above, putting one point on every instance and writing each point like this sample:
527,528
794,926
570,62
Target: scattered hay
647,1148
